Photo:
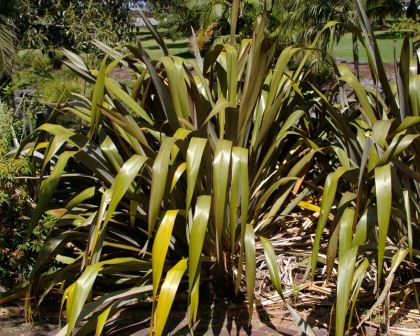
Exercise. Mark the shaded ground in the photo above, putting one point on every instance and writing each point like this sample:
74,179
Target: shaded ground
221,318
365,74
17,326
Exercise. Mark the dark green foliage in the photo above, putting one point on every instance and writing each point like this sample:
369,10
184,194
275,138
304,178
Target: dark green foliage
176,16
406,25
72,24
380,9
305,19
180,16
412,10
7,7
17,255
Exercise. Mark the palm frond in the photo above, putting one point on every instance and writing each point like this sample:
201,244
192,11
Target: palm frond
7,46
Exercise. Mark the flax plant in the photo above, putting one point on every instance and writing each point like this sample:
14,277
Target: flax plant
171,182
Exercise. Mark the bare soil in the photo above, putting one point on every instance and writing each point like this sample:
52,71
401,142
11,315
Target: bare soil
365,73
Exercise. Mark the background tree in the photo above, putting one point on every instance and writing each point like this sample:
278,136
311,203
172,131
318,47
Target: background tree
219,11
412,10
72,23
7,7
381,9
176,16
206,14
305,18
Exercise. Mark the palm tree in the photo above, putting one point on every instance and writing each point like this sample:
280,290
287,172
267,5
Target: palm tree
380,9
7,46
306,18
212,11
8,10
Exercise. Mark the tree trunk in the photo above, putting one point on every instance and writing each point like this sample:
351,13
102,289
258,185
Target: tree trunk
412,10
356,56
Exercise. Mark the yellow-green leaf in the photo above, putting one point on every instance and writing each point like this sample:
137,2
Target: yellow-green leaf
383,185
167,295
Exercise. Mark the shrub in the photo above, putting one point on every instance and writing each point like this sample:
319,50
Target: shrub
406,25
41,65
16,207
60,86
26,57
11,128
175,16
56,57
6,121
17,255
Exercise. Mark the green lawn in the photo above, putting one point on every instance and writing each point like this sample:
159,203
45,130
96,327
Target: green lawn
388,42
178,47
